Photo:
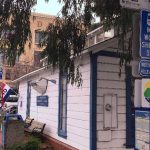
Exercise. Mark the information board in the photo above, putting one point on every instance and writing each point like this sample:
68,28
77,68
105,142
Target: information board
145,34
144,68
42,101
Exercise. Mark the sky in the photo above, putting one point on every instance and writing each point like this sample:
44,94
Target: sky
51,8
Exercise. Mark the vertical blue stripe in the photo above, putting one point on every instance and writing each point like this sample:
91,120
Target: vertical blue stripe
130,120
93,93
28,99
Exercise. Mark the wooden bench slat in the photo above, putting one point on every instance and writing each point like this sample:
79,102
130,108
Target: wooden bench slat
36,127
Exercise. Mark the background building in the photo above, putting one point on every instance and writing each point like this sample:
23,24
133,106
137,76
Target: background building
30,59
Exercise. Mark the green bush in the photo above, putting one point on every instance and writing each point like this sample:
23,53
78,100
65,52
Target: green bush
33,144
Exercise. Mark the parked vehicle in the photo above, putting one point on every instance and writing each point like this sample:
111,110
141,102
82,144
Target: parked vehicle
12,109
11,104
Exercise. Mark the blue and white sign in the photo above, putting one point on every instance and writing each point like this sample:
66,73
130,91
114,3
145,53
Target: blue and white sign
145,34
144,68
42,100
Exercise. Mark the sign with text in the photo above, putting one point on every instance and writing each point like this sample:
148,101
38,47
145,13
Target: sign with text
42,101
135,4
145,34
144,68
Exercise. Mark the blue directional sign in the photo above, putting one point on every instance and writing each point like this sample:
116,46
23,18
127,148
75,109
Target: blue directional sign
144,68
145,34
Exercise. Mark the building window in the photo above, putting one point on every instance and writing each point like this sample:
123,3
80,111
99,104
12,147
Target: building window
8,74
62,126
38,37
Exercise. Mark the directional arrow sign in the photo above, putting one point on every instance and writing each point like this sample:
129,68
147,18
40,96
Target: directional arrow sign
144,68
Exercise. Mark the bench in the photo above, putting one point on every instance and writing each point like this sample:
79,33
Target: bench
28,122
36,128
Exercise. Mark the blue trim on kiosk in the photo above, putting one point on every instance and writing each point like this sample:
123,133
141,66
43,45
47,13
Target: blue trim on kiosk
142,108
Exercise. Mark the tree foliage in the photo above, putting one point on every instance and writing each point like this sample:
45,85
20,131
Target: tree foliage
14,27
67,37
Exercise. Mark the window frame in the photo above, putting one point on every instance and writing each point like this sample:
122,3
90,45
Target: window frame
39,40
62,132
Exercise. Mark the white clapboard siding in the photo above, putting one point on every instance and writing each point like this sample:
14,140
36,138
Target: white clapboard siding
114,143
109,68
78,107
100,109
85,84
78,123
75,115
78,100
118,134
78,131
110,76
76,138
121,101
22,99
119,92
121,109
108,60
109,82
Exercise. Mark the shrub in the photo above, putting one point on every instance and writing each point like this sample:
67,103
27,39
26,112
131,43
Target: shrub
32,144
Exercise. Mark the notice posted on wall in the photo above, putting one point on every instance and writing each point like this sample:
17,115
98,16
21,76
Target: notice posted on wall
142,130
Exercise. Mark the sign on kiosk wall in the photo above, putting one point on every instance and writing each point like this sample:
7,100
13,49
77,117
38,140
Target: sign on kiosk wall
145,34
42,100
146,93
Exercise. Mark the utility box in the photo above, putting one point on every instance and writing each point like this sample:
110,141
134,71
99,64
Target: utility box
12,130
